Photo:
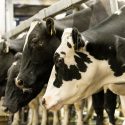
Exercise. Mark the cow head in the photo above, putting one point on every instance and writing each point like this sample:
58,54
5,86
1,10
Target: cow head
37,59
72,72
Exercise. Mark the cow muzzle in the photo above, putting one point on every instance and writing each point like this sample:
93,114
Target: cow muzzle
59,62
51,104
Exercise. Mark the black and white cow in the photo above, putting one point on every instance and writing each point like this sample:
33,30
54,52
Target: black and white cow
87,62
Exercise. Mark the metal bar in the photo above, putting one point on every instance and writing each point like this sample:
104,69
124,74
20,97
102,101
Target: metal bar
53,10
113,5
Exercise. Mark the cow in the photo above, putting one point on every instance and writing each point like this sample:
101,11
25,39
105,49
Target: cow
87,62
34,69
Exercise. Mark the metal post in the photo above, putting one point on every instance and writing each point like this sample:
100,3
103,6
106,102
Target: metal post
114,5
9,15
2,17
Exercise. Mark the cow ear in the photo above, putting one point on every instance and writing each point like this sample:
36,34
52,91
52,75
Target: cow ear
50,26
77,39
4,47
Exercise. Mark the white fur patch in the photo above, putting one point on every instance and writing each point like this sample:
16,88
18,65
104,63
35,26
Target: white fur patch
118,12
32,26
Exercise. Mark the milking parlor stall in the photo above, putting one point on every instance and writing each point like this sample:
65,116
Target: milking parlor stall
23,24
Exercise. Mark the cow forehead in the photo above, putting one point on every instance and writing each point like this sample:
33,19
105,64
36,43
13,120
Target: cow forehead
32,26
67,32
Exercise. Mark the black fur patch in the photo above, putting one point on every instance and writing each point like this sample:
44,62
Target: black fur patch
105,49
63,53
81,61
69,45
68,74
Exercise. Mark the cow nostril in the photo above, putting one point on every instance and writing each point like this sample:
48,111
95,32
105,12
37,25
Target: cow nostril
20,82
43,101
60,62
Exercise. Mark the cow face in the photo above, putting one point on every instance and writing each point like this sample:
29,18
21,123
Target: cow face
38,53
72,64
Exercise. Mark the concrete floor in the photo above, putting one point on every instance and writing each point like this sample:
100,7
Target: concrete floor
4,120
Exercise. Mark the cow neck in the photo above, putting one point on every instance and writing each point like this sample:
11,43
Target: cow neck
99,13
103,47
81,19
114,24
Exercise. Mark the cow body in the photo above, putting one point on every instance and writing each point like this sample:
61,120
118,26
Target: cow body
88,62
